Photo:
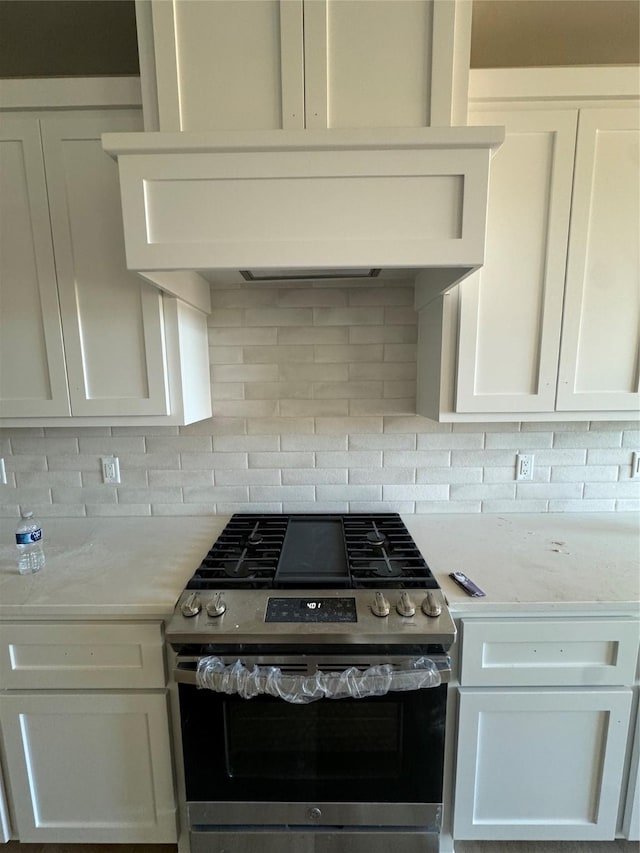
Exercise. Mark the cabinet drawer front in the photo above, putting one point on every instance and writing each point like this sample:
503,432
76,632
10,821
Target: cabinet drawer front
509,652
69,655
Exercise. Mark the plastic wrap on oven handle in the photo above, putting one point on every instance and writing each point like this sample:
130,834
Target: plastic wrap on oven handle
213,674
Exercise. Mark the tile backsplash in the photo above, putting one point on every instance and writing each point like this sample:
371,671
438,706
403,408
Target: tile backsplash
314,401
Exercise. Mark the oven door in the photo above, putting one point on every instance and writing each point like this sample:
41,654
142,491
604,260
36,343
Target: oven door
364,762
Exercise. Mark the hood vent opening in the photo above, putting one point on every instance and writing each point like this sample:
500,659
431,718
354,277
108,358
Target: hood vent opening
307,274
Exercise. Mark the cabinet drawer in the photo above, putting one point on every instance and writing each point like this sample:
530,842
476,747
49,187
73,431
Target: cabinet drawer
567,652
81,655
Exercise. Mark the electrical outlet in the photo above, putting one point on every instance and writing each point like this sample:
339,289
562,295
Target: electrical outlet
3,473
110,469
524,466
635,464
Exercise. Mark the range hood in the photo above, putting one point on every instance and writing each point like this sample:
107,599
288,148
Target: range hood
305,204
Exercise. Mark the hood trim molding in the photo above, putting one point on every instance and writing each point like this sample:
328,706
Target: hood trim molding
399,200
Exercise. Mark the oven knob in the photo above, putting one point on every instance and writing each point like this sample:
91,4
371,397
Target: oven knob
380,606
191,606
431,606
405,606
314,813
216,606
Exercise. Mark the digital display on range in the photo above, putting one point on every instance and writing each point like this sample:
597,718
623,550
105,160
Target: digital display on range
305,610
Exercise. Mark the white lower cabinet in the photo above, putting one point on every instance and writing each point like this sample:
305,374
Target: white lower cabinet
543,727
540,764
88,765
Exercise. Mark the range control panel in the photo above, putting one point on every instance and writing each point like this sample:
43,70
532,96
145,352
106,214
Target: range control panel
307,610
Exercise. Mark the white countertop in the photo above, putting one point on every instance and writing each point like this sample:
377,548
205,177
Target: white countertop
100,568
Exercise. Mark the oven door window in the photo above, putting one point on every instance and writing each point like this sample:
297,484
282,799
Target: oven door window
383,749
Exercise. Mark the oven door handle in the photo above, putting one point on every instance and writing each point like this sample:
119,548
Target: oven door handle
211,673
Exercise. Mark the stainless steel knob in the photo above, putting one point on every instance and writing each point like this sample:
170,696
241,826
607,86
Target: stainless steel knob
380,606
191,606
314,813
431,606
216,606
405,606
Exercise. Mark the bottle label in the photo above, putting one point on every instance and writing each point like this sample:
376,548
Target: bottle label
29,538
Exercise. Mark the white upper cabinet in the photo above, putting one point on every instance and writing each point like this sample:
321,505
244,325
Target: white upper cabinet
549,328
80,335
272,64
600,356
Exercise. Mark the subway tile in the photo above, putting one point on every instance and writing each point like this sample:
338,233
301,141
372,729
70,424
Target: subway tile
212,494
390,294
281,316
32,462
349,459
549,491
344,353
617,456
277,354
607,426
179,443
276,426
382,476
245,443
229,507
383,334
539,505
225,317
349,493
629,489
482,458
282,493
26,479
333,507
483,491
449,475
327,335
216,426
281,460
248,477
123,510
314,476
164,495
628,505
149,460
358,316
227,391
558,457
313,408
448,506
100,494
589,439
631,438
397,389
211,461
246,408
243,297
112,446
146,431
420,492
400,352
407,507
244,373
387,371
314,372
58,511
277,390
507,474
313,442
581,506
377,441
189,509
498,426
180,478
450,441
583,473
339,425
32,497
402,316
416,458
225,355
400,406
412,424
243,335
313,297
555,426
347,390
49,446
519,441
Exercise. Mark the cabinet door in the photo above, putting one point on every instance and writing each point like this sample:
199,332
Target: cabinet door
540,764
32,371
89,768
511,311
600,357
226,65
111,318
367,63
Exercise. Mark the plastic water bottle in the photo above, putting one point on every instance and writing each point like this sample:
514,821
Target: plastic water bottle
29,545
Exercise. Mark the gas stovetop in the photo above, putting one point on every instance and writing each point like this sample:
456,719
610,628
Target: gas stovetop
283,579
319,551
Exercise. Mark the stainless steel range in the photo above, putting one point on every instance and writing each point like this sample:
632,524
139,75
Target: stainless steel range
310,667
